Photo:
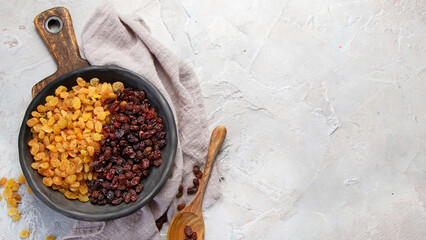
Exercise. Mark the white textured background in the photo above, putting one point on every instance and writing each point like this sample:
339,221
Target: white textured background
325,104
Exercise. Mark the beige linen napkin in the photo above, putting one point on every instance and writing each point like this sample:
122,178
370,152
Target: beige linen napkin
110,38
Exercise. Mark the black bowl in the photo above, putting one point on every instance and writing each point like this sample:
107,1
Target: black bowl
152,184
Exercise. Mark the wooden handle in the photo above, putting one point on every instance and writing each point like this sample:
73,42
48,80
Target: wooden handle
56,30
216,140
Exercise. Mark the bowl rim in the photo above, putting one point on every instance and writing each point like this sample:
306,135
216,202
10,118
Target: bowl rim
104,216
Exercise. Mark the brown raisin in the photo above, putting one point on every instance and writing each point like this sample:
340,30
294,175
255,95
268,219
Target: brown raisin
181,206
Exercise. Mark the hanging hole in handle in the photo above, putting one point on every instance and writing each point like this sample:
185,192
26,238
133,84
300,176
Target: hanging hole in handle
53,25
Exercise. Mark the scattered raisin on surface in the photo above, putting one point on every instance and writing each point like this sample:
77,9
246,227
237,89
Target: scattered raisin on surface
196,182
180,192
195,169
181,206
24,233
199,175
3,181
192,190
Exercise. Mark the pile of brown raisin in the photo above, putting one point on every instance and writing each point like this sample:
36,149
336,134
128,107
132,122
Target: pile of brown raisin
131,145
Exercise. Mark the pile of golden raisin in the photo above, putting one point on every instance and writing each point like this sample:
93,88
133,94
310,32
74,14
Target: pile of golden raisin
66,132
11,195
13,199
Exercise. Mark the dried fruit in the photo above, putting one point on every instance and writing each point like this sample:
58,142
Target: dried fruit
189,234
12,211
24,233
10,183
7,193
130,145
16,196
3,181
196,182
181,206
118,86
30,190
16,217
70,195
66,131
11,202
21,179
180,192
50,238
15,187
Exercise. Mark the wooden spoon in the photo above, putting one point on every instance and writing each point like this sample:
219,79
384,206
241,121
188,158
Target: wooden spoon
191,215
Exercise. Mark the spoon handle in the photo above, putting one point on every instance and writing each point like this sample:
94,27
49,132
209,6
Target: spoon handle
216,140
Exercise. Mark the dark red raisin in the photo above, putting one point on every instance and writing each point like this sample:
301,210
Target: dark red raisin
188,231
179,194
127,197
135,181
196,182
158,162
139,188
181,206
147,151
191,190
110,195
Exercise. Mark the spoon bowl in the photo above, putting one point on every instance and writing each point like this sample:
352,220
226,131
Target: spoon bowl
191,215
183,219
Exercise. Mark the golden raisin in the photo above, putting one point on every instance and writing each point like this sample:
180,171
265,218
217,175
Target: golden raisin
30,190
76,103
60,89
3,181
21,179
24,233
32,122
15,187
98,126
57,180
117,86
16,217
54,101
66,131
71,179
83,188
97,137
12,211
11,202
41,108
7,193
81,82
47,181
35,114
70,195
50,238
10,183
83,198
16,196
94,81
